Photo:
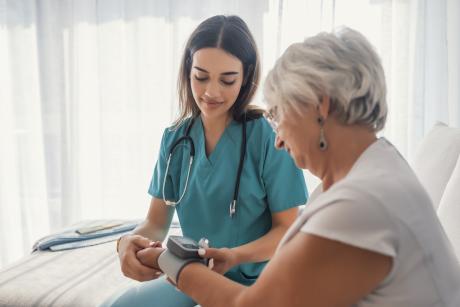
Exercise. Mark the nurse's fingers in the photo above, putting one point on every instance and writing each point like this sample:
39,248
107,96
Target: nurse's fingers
215,253
136,270
149,256
156,244
140,241
146,276
211,264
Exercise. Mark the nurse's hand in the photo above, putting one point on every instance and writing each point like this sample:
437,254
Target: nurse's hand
131,266
149,256
222,259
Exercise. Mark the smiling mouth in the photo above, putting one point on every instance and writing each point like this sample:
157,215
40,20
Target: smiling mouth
213,103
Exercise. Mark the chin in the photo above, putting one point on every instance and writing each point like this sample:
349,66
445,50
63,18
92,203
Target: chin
299,161
302,165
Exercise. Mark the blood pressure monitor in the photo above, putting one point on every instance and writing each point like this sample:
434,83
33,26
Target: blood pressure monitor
180,252
182,247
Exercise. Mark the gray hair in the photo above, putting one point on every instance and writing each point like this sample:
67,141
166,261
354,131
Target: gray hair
342,65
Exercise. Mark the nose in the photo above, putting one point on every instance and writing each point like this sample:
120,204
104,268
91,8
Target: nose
279,143
212,90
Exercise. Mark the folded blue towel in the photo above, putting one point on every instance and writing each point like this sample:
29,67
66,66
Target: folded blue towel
85,243
71,236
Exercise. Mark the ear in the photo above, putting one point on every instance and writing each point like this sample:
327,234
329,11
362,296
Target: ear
323,107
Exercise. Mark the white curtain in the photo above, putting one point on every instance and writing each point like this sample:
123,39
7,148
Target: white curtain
87,87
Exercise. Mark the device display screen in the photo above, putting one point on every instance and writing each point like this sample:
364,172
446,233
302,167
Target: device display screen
183,247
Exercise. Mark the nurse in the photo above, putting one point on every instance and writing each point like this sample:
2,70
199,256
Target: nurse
239,191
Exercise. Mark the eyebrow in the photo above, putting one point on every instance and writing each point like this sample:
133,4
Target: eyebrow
227,73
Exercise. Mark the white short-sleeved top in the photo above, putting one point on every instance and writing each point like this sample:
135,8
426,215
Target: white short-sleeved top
381,206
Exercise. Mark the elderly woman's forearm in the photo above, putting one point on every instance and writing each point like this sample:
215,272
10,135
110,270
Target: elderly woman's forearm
261,249
210,289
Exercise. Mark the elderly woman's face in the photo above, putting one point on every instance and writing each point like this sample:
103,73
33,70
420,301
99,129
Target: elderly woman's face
298,134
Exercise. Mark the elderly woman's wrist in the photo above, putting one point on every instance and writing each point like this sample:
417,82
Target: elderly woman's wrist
172,265
155,262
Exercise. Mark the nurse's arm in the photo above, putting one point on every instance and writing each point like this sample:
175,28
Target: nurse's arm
307,270
156,225
263,248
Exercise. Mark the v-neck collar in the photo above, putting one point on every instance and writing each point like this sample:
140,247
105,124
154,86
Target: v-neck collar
215,155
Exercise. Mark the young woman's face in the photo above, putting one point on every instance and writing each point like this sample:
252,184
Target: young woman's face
216,78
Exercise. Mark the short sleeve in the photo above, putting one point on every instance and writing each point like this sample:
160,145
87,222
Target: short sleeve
364,225
156,184
284,181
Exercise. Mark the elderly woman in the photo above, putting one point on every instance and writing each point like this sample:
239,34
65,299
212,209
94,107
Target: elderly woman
369,236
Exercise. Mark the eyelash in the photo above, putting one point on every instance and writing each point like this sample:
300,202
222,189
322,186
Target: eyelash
224,82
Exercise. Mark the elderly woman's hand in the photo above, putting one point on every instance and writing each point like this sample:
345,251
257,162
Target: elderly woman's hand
221,259
149,256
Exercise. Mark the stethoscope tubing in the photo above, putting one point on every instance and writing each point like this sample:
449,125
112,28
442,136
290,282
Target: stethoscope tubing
187,138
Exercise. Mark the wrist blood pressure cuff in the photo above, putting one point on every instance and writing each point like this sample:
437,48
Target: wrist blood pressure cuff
182,247
181,251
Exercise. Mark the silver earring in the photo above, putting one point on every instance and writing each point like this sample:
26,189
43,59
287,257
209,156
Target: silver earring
322,139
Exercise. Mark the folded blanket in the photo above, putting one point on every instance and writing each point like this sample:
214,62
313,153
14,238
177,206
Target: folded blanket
92,230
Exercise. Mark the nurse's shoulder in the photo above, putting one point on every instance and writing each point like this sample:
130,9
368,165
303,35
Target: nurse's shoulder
174,132
260,131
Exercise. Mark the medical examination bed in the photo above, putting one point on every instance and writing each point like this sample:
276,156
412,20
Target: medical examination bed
76,277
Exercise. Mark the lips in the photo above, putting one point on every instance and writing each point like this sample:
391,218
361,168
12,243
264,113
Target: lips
212,103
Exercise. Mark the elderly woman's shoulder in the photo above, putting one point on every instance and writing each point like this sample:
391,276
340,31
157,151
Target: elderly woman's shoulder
394,187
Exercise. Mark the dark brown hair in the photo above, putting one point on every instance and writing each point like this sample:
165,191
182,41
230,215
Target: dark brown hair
231,34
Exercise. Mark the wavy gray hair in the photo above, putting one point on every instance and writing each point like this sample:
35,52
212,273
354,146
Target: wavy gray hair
342,65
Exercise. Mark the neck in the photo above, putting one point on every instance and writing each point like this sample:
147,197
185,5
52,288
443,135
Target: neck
346,145
215,125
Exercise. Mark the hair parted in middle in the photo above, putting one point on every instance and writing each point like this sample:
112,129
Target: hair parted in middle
231,34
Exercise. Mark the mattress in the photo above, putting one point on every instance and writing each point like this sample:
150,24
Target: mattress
78,277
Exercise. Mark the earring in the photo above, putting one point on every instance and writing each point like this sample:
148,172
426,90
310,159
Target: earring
322,139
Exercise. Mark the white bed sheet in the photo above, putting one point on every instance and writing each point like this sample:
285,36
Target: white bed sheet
79,277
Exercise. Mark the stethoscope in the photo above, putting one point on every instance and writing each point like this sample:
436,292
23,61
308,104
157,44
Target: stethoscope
188,139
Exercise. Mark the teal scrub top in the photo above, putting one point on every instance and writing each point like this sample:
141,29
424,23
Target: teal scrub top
270,183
